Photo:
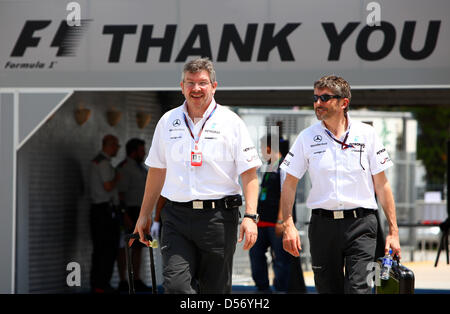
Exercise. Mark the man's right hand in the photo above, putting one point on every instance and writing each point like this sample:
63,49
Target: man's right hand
142,227
291,240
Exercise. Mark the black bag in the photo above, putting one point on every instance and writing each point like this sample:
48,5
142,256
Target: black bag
401,279
129,260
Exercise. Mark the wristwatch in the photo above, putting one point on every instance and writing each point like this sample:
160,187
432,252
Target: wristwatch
255,217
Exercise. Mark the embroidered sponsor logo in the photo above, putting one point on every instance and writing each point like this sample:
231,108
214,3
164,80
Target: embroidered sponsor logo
314,145
212,131
317,138
362,146
381,151
176,122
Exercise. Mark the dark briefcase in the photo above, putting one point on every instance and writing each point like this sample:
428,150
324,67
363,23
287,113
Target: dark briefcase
401,280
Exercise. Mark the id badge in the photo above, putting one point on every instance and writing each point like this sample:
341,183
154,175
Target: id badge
196,159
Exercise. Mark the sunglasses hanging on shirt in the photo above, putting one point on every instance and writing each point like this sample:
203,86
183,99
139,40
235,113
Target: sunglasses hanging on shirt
344,145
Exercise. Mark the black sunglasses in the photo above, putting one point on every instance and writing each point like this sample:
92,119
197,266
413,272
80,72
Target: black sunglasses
325,97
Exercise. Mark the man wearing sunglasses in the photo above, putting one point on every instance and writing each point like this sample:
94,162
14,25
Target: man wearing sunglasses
346,162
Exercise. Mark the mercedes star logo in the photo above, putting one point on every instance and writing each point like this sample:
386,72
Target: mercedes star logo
317,138
176,123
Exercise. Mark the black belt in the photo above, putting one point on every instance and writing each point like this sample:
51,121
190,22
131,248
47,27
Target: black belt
227,202
341,214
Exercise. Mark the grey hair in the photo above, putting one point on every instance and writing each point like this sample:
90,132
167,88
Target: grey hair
198,65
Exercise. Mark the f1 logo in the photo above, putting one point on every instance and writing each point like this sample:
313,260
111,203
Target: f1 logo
66,39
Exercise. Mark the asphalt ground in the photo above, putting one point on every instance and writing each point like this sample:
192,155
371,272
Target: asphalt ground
428,279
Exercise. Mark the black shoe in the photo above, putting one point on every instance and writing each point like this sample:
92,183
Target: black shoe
139,286
123,287
264,290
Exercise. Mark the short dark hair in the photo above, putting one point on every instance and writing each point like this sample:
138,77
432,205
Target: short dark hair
133,145
337,85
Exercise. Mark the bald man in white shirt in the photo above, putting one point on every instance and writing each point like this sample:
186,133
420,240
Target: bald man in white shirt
199,151
346,162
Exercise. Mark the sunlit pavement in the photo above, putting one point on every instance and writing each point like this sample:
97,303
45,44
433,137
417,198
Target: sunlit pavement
428,279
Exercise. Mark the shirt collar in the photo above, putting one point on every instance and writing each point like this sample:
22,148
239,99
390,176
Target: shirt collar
205,114
349,123
139,165
106,155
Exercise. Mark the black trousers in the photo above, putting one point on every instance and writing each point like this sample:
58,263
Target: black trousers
105,234
341,250
197,248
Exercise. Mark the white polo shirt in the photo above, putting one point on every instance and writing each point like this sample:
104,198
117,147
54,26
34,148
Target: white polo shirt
341,178
102,171
226,147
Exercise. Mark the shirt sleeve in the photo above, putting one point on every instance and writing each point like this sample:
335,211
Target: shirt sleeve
157,154
282,178
379,159
246,152
295,162
105,171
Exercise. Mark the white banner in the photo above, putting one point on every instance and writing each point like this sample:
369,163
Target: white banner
255,44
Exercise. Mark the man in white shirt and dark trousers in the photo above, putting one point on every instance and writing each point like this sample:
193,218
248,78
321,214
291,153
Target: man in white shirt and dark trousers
104,221
198,152
346,162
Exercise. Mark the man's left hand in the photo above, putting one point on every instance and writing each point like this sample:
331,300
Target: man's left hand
393,242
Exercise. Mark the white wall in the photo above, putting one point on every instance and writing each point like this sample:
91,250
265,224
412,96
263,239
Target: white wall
53,186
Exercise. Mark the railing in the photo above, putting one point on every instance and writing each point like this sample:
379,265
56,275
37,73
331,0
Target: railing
423,226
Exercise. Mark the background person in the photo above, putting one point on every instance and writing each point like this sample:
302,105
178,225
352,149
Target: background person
270,217
104,221
133,174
